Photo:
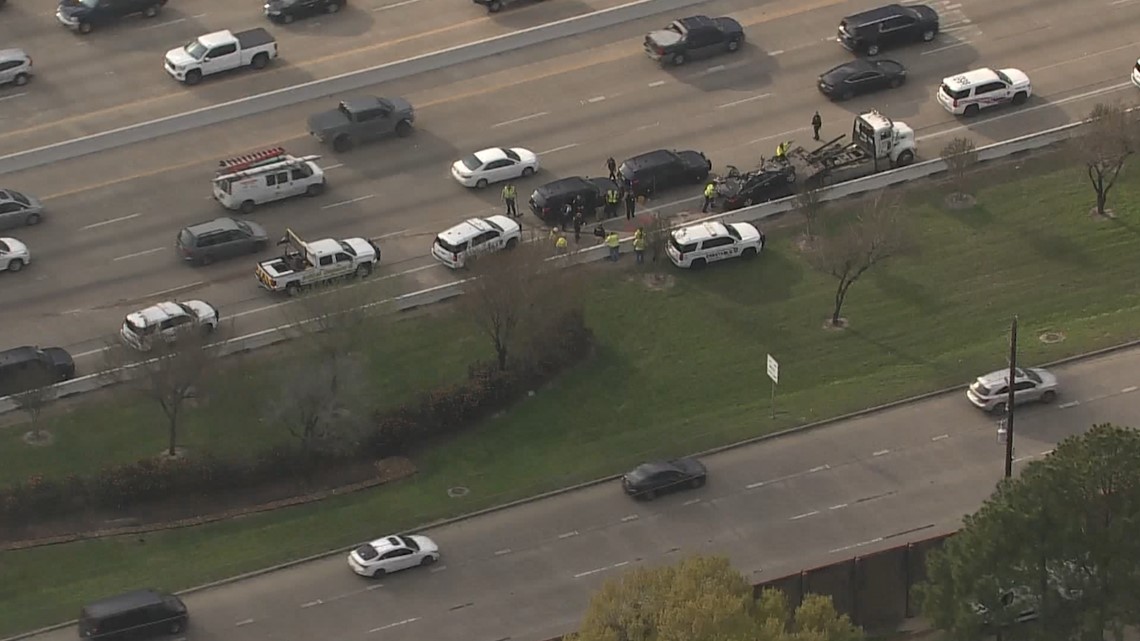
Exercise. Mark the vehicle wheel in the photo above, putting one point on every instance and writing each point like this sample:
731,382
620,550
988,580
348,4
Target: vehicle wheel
1049,396
928,35
293,289
205,260
846,95
749,252
363,270
427,560
1019,98
678,59
998,409
32,219
873,50
481,184
193,77
315,189
905,158
403,129
176,626
332,7
15,265
21,80
259,247
495,6
150,12
342,144
896,83
971,111
648,495
208,329
734,45
287,18
512,243
247,206
528,172
698,264
259,61
84,27
379,573
697,482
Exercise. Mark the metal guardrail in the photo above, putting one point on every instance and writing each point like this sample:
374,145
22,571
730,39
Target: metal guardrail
755,213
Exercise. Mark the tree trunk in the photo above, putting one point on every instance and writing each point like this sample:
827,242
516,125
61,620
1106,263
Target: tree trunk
840,296
501,353
173,448
1101,200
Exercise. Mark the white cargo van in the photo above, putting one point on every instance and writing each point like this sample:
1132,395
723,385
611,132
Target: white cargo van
246,181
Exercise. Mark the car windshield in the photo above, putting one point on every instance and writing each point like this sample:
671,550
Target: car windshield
732,231
1031,375
510,154
186,308
1004,78
472,163
4,247
410,542
244,227
495,225
639,474
455,249
348,248
185,238
956,95
18,197
195,49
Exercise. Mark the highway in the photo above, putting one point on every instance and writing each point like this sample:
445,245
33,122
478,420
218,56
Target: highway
774,508
106,245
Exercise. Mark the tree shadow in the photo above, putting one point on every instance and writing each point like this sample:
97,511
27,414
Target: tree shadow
747,70
909,291
349,22
1054,247
768,278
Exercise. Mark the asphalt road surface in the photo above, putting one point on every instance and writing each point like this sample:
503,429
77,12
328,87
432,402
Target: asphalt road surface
774,508
106,246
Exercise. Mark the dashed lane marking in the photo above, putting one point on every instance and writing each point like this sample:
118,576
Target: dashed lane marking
1065,406
109,222
631,517
349,202
520,119
838,507
13,96
804,515
336,166
715,69
557,149
881,452
1128,390
395,5
743,100
597,570
691,502
596,99
566,535
396,624
137,254
243,623
655,83
439,569
502,552
946,48
940,437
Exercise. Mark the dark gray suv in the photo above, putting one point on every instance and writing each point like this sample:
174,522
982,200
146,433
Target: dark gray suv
221,238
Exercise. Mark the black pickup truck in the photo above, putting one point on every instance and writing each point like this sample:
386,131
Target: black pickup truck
692,38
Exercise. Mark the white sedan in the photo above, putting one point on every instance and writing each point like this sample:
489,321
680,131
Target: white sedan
392,554
13,255
494,165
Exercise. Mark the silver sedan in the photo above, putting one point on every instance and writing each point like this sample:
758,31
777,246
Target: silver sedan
18,210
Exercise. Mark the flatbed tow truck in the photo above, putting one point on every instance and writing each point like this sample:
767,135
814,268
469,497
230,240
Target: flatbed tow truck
877,144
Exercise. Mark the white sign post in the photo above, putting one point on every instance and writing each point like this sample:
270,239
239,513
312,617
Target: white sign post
774,374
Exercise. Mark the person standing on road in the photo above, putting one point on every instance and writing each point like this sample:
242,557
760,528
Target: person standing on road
639,245
630,204
611,165
560,245
509,195
578,220
613,199
710,195
614,243
816,124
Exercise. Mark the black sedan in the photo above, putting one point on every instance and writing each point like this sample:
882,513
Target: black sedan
649,480
861,76
286,11
758,187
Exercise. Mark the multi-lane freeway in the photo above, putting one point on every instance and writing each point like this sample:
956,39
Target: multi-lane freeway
775,507
106,246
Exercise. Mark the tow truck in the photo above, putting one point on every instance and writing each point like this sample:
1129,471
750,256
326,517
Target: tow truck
305,264
877,144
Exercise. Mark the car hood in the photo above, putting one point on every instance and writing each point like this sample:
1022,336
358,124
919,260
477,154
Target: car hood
694,159
526,156
15,247
1017,76
690,466
61,359
72,8
258,231
663,37
203,310
510,227
363,248
729,25
603,184
179,58
400,105
747,231
426,545
1047,378
330,119
926,14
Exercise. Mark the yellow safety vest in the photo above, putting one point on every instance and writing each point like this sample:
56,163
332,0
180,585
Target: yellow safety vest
639,240
710,190
509,192
560,243
612,197
612,240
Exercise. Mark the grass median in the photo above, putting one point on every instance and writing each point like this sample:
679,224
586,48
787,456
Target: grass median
681,368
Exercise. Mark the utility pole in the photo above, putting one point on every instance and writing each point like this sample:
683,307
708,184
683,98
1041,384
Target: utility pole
1009,400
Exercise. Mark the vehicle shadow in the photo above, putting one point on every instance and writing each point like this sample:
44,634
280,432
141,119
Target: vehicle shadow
350,21
748,70
221,87
523,14
150,36
422,153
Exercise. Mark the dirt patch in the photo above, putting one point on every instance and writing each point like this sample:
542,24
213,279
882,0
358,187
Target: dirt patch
835,327
657,281
957,200
39,438
1109,214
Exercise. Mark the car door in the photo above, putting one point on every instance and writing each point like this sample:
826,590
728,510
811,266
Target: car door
372,124
716,249
6,71
344,265
863,82
895,31
704,41
400,559
1024,392
992,93
501,169
11,215
220,58
171,327
231,243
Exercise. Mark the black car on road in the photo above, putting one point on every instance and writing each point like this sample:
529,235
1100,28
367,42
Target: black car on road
218,239
549,200
28,367
693,38
893,25
651,172
861,76
83,15
286,11
136,615
649,480
753,188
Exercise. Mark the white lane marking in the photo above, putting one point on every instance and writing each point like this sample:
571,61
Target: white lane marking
390,234
838,507
1065,406
631,517
1078,58
165,24
881,452
819,468
1032,456
953,46
776,52
393,625
502,552
557,149
715,69
349,202
336,166
951,7
394,5
860,544
1128,390
137,254
522,119
109,221
439,569
691,502
649,126
566,535
781,135
77,310
744,100
655,83
311,604
244,622
15,95
595,571
804,515
753,486
92,352
940,437
596,99
173,289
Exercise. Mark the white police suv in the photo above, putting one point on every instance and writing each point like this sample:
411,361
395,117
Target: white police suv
698,245
968,93
475,236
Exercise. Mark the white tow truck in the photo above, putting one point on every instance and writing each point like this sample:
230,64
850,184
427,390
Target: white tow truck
243,182
305,264
220,51
877,144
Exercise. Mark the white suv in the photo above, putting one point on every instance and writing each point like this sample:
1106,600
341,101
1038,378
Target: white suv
475,236
968,93
991,391
701,244
166,321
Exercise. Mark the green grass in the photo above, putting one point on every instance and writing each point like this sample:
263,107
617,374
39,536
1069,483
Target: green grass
683,369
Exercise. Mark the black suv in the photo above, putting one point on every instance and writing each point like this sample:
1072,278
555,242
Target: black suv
548,201
872,31
692,38
138,614
286,11
24,368
651,172
83,15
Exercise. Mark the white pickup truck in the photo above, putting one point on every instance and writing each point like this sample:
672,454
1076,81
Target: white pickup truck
306,264
220,51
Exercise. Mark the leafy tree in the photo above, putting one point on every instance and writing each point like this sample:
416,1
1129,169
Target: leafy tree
1110,138
1057,545
704,599
960,155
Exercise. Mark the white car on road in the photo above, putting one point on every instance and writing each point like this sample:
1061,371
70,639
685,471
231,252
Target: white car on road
1136,74
392,554
13,255
166,321
698,245
493,165
991,392
968,93
475,236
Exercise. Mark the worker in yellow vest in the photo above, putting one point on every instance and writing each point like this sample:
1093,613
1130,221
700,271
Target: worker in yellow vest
614,243
509,195
639,245
782,151
613,199
710,195
560,245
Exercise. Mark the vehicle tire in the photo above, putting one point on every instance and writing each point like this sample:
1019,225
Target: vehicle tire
315,189
259,247
1049,396
259,61
697,264
928,35
872,50
528,172
403,129
481,183
193,77
293,289
749,252
363,270
176,626
84,28
897,82
15,265
379,573
247,206
342,143
846,95
971,111
32,219
205,260
287,18
648,495
20,80
905,158
697,482
494,6
332,7
678,59
998,409
1019,98
733,45
512,243
208,329
150,12
427,560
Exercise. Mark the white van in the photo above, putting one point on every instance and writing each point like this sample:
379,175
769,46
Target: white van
475,236
246,181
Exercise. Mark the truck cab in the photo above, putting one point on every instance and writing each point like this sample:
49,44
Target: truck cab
884,139
305,264
877,144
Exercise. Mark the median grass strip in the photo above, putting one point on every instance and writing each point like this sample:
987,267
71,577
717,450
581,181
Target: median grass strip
681,368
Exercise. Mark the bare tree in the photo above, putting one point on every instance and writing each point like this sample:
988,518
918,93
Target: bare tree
875,235
809,204
32,400
316,401
336,322
657,234
960,155
1110,138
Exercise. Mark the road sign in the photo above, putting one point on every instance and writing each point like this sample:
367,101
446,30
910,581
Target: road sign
773,369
